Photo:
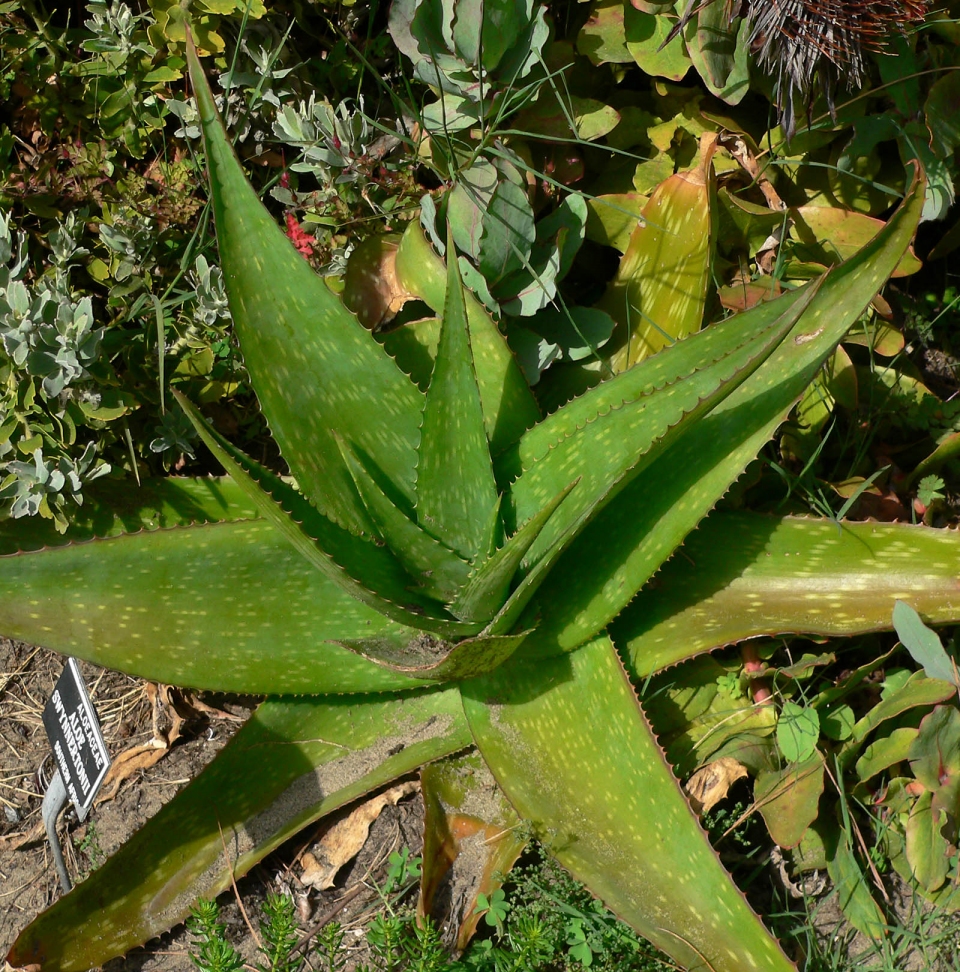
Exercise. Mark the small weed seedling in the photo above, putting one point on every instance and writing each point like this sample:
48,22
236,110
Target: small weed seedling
211,952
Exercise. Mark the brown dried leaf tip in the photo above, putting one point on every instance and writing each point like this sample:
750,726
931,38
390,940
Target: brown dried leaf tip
804,44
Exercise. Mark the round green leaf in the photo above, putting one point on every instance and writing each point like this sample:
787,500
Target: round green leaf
798,729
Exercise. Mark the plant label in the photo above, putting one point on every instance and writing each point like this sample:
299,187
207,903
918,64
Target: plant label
74,734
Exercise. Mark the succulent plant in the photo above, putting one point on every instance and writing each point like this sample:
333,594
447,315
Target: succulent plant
445,570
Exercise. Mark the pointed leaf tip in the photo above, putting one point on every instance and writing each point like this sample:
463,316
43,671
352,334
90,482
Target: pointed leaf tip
312,365
456,490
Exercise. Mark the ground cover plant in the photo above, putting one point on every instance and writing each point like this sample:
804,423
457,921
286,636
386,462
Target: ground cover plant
488,580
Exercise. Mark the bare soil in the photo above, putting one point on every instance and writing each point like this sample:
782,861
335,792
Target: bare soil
28,880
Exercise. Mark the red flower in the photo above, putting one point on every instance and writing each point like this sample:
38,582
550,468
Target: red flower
300,238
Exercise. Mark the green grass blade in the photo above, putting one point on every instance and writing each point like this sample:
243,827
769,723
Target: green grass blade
359,567
196,605
312,365
291,764
456,492
745,575
509,407
436,569
486,591
622,548
580,760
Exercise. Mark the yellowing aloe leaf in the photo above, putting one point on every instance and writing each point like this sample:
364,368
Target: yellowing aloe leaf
311,363
743,575
659,293
471,839
292,763
579,760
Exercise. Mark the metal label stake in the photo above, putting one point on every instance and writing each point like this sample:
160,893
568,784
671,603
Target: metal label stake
81,754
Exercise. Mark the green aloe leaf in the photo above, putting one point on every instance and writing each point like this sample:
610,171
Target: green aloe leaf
743,575
680,361
509,407
621,549
625,437
662,425
486,591
568,743
292,763
214,641
111,508
199,606
456,491
361,568
436,568
314,368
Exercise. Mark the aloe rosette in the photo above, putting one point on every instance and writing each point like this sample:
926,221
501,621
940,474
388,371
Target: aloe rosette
447,571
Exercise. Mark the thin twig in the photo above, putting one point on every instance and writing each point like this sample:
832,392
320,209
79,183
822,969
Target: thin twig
236,892
327,917
877,880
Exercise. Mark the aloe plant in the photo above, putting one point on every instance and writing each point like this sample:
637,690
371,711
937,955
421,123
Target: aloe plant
447,570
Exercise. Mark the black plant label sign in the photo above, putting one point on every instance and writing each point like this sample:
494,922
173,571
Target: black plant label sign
74,734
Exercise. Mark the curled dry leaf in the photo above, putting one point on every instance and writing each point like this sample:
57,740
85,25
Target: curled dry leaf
371,288
196,706
711,783
144,755
17,840
808,886
344,840
743,153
